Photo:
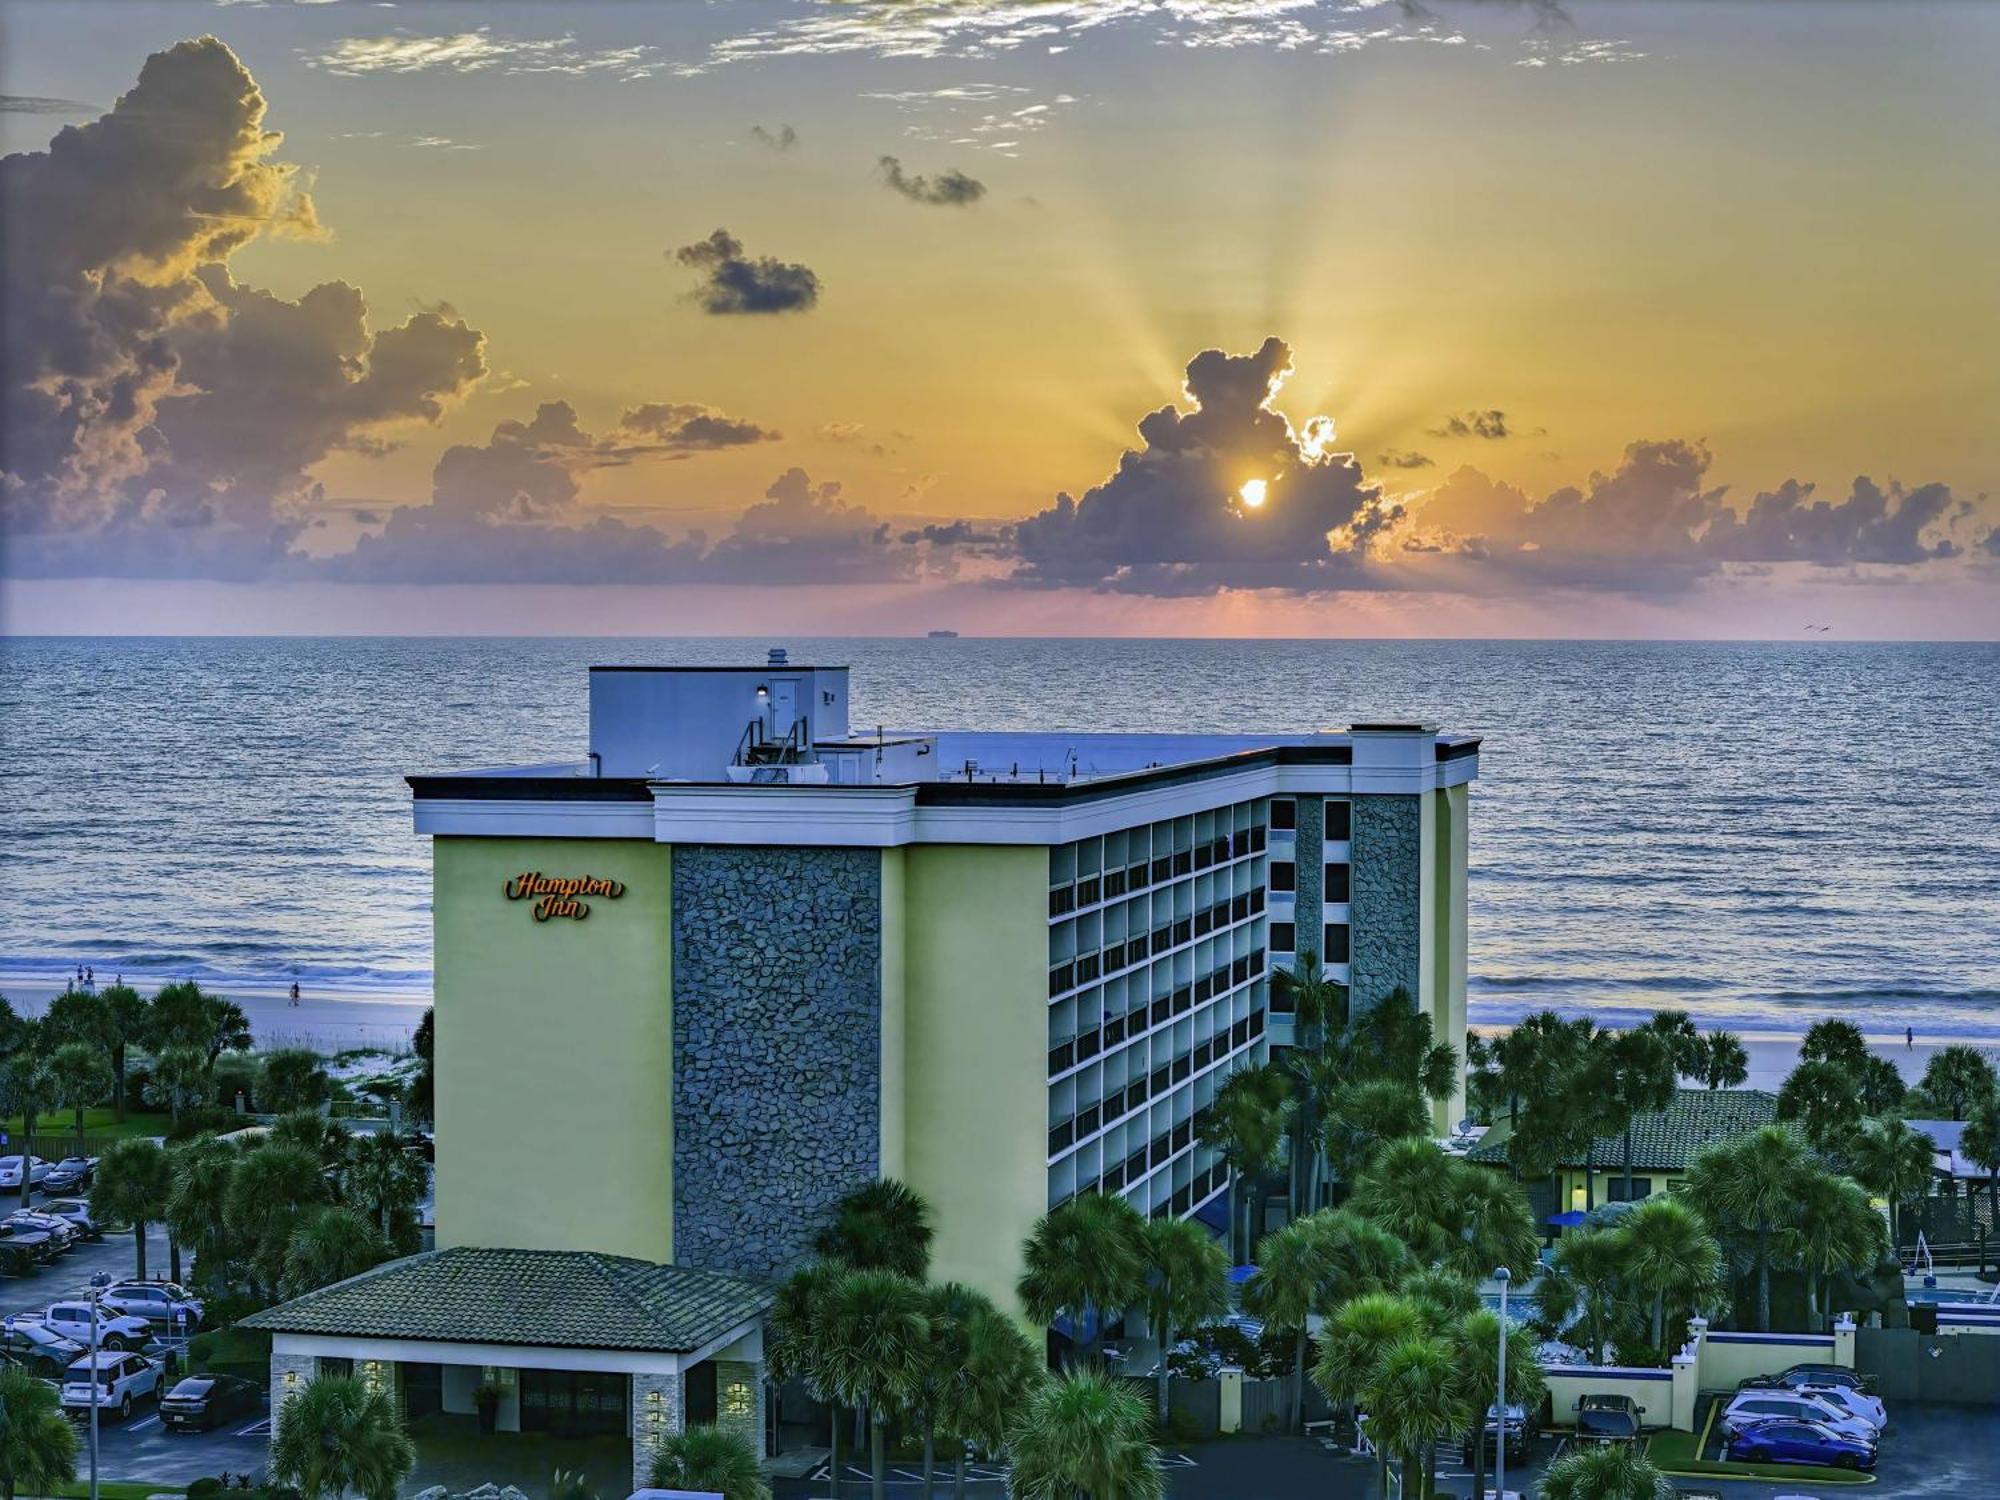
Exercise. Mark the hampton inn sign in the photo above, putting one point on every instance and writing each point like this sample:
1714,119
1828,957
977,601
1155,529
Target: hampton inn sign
562,895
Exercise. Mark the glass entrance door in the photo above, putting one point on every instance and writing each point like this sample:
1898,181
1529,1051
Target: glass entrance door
574,1403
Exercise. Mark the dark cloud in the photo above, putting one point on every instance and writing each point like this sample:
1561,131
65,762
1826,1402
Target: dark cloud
1402,458
949,189
731,282
782,139
959,534
1173,518
159,416
37,104
1490,424
685,427
1655,524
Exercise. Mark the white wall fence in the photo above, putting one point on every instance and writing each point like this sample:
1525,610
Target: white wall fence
1708,1361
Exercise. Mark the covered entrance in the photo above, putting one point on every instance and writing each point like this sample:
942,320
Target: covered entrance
506,1363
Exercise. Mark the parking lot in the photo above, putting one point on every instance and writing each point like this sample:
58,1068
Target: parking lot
140,1449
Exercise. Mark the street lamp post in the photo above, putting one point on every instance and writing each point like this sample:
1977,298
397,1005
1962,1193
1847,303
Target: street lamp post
98,1283
1502,1276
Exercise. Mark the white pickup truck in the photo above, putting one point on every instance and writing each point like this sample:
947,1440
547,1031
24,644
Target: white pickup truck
114,1330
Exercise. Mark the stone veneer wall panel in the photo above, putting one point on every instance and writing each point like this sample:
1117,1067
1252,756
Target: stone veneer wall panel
1385,914
777,1042
653,1420
1309,898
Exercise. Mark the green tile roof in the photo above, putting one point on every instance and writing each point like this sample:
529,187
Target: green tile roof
566,1299
1666,1140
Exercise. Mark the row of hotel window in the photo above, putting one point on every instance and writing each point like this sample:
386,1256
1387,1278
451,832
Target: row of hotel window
1339,818
1196,1176
1096,1020
1339,885
1133,859
1076,957
1336,941
1079,1116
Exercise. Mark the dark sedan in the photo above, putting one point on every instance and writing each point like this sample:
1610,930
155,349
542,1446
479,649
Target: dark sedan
204,1401
70,1174
1788,1442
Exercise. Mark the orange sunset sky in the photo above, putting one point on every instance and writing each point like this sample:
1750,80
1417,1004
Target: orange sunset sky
1016,316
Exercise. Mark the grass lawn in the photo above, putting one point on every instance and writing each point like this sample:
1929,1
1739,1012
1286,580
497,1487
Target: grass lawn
96,1122
112,1489
1679,1453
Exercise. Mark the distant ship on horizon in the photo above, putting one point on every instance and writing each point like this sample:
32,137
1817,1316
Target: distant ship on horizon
944,635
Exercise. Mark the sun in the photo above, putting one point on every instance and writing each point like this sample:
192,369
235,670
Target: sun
1252,492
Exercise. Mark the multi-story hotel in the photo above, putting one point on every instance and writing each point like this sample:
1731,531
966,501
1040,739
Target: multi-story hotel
740,958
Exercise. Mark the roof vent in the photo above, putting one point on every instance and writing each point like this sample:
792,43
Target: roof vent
777,658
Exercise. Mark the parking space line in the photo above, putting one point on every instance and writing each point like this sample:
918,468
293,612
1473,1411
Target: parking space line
142,1424
259,1428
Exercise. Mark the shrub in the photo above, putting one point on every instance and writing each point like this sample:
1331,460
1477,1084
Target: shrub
205,1488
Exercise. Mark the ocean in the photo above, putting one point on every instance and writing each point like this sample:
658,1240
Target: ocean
1760,833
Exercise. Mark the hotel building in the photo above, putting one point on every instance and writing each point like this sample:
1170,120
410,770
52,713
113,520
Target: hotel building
740,958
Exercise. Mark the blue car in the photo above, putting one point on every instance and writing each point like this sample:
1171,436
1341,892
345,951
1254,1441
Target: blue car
1786,1441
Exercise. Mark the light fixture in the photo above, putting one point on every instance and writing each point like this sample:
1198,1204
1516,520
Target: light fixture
762,692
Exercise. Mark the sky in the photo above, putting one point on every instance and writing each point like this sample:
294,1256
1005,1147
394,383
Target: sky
1206,317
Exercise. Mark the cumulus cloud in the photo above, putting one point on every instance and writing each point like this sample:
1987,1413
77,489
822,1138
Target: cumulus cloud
41,104
1402,458
481,51
948,189
1490,424
1656,523
782,139
1225,494
687,427
157,413
732,282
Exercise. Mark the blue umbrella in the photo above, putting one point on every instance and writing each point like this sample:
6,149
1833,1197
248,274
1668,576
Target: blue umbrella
1568,1220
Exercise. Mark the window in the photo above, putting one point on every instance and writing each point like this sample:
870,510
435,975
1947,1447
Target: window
1338,945
1284,813
1282,938
1339,883
1284,875
1340,820
1642,1187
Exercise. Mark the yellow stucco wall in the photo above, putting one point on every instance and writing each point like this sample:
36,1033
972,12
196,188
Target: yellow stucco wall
975,952
1446,961
554,1051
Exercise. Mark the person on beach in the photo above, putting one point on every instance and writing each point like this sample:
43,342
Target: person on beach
295,992
1909,1038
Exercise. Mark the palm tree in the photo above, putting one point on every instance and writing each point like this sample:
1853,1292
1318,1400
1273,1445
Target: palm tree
1824,1098
1187,1283
198,1197
1085,1434
26,1090
1353,1345
37,1442
1604,1471
384,1180
1584,1276
338,1435
795,1344
1441,1297
1246,1122
1407,1184
1835,1042
1670,1255
880,1226
1416,1397
268,1188
875,1331
1084,1261
1643,1066
291,1078
132,1185
1491,1223
121,1024
1837,1229
950,1309
1361,1116
1725,1063
992,1383
330,1244
1751,1182
1957,1078
707,1459
1475,1340
1980,1143
181,1074
78,1078
1894,1161
1683,1037
1313,1265
228,1029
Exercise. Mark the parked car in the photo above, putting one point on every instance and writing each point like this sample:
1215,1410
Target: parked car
1522,1430
118,1379
1848,1395
161,1301
1821,1375
22,1248
115,1330
73,1211
10,1171
64,1233
1747,1408
1608,1419
40,1348
201,1401
420,1145
70,1174
1785,1441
